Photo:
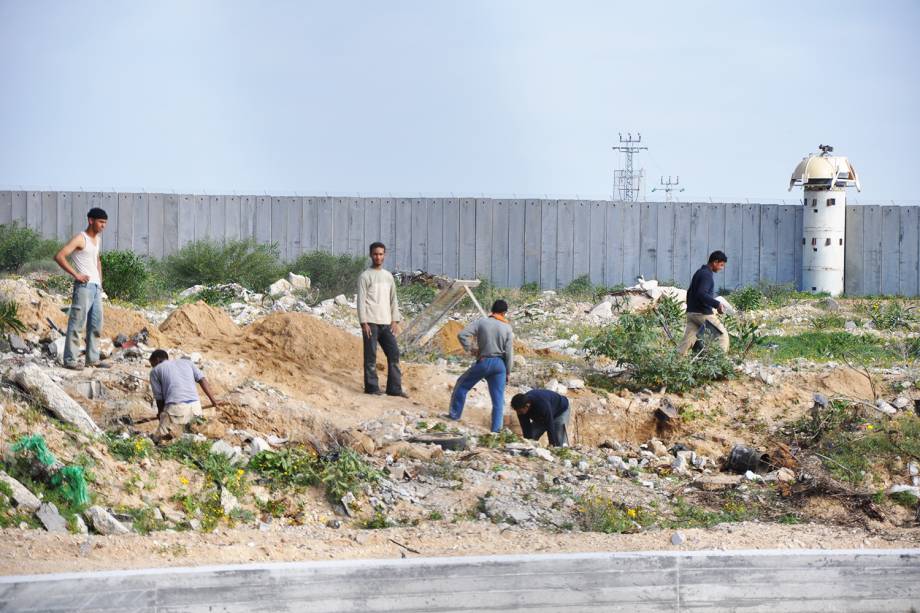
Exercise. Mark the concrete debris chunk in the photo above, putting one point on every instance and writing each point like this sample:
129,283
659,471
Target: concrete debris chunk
56,349
32,379
884,407
24,499
545,454
712,483
281,287
228,501
257,445
17,344
231,452
900,402
554,386
298,281
80,524
677,539
341,300
575,384
103,522
51,519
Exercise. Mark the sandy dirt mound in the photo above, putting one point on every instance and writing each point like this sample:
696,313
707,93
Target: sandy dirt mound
846,382
117,320
198,320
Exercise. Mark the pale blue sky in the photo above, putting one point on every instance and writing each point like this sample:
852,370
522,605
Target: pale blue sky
440,98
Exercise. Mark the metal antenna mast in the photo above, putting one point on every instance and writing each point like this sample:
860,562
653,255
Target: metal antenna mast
626,183
667,187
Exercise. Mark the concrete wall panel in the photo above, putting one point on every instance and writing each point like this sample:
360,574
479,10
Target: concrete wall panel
532,233
171,224
187,219
419,240
6,208
750,240
909,251
891,243
785,245
500,247
581,242
233,225
872,250
293,212
402,239
733,247
155,225
20,207
516,221
140,225
248,217
50,214
597,227
565,243
356,226
435,255
278,224
631,243
217,213
683,269
65,218
549,220
665,240
467,259
34,210
483,238
387,221
324,221
613,250
203,220
450,232
308,224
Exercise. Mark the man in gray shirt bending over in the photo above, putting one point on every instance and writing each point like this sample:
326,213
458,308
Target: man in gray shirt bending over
494,355
173,384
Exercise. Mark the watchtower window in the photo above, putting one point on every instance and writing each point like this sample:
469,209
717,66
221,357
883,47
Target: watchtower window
831,201
827,243
814,202
841,242
814,242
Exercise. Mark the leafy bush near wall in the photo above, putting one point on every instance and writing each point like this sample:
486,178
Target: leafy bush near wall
124,275
19,245
330,274
209,263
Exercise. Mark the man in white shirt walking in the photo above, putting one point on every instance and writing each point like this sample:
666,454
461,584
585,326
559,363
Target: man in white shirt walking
86,300
378,313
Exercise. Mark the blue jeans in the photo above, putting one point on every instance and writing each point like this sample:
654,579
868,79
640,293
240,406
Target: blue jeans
85,313
493,371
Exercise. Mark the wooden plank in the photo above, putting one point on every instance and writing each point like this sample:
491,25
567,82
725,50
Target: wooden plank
232,223
248,217
34,210
203,219
484,238
450,232
733,245
278,222
50,215
402,238
516,220
631,244
532,234
549,220
19,207
187,215
500,247
872,250
155,225
419,240
387,222
581,239
171,224
648,239
786,240
324,222
356,244
65,217
909,251
262,222
140,229
665,255
853,277
891,242
371,208
6,208
435,257
750,244
293,210
613,245
797,249
467,239
565,243
125,239
308,236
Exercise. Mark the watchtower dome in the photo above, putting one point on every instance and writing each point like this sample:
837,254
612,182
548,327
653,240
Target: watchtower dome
824,178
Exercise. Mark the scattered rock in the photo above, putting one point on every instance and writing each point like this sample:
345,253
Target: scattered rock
849,326
546,454
51,519
56,349
348,501
575,384
334,524
829,304
103,522
713,483
298,281
657,447
910,489
677,539
340,300
785,475
233,453
884,407
24,499
228,501
17,344
39,385
80,525
582,466
281,287
397,472
359,441
602,312
120,340
554,386
900,402
257,445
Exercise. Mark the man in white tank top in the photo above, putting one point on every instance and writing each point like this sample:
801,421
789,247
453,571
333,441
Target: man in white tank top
86,302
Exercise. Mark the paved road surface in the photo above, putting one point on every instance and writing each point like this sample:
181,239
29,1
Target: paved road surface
748,581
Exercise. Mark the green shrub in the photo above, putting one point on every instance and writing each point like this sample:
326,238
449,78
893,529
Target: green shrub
9,317
748,298
671,311
124,275
822,346
215,296
130,448
600,514
346,472
416,294
531,288
912,347
889,315
294,467
580,286
245,262
330,274
827,321
637,342
19,244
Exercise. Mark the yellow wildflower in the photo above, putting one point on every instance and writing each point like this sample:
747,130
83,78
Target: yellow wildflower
183,480
631,513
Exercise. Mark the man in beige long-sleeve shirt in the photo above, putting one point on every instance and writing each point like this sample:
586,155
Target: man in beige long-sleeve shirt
378,313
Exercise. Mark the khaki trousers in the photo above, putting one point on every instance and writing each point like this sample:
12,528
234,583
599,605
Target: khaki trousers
175,417
695,321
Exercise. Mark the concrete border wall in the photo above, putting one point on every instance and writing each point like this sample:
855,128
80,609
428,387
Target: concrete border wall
753,581
510,242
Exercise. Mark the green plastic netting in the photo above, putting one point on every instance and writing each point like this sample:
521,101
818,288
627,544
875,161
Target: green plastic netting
70,479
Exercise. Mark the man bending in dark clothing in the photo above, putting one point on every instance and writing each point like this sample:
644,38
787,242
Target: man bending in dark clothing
542,411
701,303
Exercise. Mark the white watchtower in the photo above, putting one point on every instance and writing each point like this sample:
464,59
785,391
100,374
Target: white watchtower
824,178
